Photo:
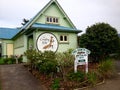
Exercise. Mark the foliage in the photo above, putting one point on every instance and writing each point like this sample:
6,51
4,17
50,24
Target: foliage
79,76
92,78
106,68
33,56
7,61
44,61
48,66
65,60
20,59
2,61
56,84
101,39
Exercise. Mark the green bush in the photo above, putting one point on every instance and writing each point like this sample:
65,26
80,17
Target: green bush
44,61
79,76
48,66
20,59
56,84
7,61
106,68
65,61
2,61
92,78
10,60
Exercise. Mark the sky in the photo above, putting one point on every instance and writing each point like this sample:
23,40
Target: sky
83,13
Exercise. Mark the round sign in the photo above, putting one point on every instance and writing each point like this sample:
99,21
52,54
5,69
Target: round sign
47,42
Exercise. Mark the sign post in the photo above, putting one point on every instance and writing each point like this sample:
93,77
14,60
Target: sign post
81,58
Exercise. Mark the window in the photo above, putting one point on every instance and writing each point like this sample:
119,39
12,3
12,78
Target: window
63,38
52,20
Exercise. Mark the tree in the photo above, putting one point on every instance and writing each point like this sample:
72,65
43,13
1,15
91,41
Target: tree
101,39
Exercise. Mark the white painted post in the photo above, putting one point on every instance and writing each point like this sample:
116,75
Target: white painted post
75,67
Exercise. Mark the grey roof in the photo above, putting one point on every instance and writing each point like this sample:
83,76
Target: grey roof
8,33
55,27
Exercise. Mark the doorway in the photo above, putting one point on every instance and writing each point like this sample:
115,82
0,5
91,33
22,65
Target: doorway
30,42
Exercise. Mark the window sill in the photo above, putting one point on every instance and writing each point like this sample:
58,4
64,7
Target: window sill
63,42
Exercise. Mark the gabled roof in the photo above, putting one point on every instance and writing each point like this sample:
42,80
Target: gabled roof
53,27
8,33
32,21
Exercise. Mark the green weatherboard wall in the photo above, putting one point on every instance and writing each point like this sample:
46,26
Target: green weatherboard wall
27,36
72,40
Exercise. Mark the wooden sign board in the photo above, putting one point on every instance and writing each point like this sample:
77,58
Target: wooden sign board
81,58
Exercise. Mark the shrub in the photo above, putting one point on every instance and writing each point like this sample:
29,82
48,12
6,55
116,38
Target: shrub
56,84
79,76
33,57
7,61
44,61
106,68
65,61
2,61
20,59
48,66
92,78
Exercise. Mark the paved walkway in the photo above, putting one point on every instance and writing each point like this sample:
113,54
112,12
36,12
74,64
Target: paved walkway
17,77
111,84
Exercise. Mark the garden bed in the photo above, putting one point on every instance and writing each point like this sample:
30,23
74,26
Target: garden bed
56,81
56,70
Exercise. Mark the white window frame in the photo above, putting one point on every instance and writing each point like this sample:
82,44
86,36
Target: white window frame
52,20
64,39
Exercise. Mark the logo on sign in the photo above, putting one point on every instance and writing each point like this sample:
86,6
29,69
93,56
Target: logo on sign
47,41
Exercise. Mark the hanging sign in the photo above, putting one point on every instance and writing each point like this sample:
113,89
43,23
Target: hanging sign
47,42
81,58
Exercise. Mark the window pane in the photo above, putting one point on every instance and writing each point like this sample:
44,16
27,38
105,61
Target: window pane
50,19
47,19
53,19
65,38
61,38
56,20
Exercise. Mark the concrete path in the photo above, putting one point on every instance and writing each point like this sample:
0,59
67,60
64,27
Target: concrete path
111,84
17,77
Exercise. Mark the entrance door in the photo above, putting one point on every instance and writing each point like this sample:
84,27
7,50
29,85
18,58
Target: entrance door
9,49
30,42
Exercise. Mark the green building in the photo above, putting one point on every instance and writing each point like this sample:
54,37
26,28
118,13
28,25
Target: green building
50,29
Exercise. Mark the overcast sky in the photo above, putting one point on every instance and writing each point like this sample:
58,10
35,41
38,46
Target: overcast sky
83,13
